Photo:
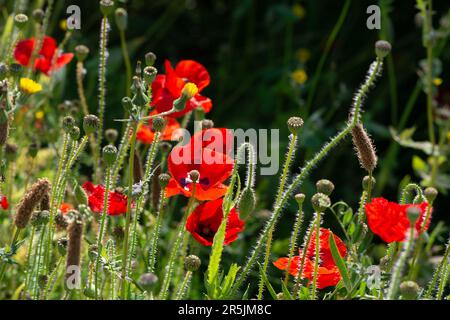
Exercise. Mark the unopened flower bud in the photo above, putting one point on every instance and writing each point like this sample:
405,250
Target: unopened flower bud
247,202
194,175
20,20
382,48
81,52
111,135
148,281
300,198
121,19
38,15
430,194
294,124
320,202
413,213
409,290
192,263
158,123
68,123
164,179
109,154
91,123
74,133
106,7
368,182
150,59
325,186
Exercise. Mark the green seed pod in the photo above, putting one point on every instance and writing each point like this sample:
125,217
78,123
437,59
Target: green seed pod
294,124
127,104
38,15
430,194
247,202
81,52
150,59
62,246
80,195
75,133
140,99
300,198
192,263
368,182
106,7
194,175
111,135
325,186
121,19
20,20
320,202
109,154
164,179
40,218
68,123
148,281
409,290
413,213
382,48
91,123
150,74
158,124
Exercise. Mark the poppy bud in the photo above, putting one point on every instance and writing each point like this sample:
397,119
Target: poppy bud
10,151
413,213
368,182
75,133
91,123
111,135
40,218
430,194
165,146
127,104
382,48
140,98
300,198
325,186
3,73
207,124
164,179
247,202
294,124
158,123
38,15
150,74
409,290
364,148
106,7
109,154
194,175
148,281
192,263
20,20
150,59
80,195
81,52
121,19
68,123
320,202
62,246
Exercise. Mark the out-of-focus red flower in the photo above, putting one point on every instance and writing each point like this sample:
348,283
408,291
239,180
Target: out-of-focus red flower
4,202
65,207
46,60
214,168
217,139
389,220
117,202
204,222
166,88
146,133
328,272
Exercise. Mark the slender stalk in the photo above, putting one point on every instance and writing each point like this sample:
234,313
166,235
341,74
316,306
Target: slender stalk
316,256
126,59
293,241
184,286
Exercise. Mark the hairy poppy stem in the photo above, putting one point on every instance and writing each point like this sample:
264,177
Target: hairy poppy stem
294,236
318,221
184,286
126,60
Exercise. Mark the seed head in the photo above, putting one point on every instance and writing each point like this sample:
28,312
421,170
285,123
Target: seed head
68,123
194,175
409,290
40,218
109,154
294,124
300,198
430,194
367,182
81,52
106,7
111,135
121,19
192,263
75,133
164,179
91,123
38,15
150,59
158,123
364,148
382,48
325,186
20,20
148,281
320,202
150,73
413,213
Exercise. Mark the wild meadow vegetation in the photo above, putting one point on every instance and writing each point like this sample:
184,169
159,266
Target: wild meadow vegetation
117,183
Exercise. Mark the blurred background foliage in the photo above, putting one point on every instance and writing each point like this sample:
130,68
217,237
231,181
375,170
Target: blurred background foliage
263,56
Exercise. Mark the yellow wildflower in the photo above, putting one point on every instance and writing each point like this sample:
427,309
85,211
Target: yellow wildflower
303,55
299,76
298,10
437,81
29,86
63,25
189,90
39,115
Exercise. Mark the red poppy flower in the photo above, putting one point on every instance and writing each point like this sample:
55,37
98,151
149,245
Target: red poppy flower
328,272
65,207
46,60
217,139
117,202
204,222
214,168
146,133
166,88
389,220
4,202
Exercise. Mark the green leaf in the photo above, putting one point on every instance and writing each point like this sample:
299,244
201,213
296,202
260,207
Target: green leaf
229,281
340,263
287,294
268,285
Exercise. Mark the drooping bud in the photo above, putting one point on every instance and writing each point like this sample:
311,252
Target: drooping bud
192,263
150,59
158,123
91,123
106,7
111,135
413,213
148,281
294,124
300,198
364,148
247,202
164,179
320,202
81,52
368,182
430,194
121,19
109,154
194,175
409,290
20,20
382,48
325,186
31,199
